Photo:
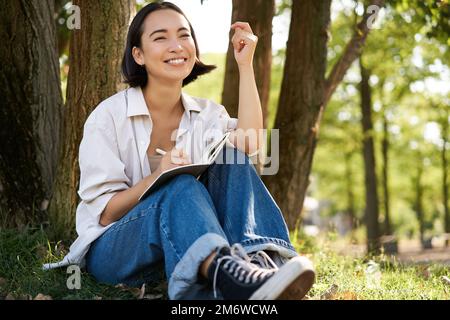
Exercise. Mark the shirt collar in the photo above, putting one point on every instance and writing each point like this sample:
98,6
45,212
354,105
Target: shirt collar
137,105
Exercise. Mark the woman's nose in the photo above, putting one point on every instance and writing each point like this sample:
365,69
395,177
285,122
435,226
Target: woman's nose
175,46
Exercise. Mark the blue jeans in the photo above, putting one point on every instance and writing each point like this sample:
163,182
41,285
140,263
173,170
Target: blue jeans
178,226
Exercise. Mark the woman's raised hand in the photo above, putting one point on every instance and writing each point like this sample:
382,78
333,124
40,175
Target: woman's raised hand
244,43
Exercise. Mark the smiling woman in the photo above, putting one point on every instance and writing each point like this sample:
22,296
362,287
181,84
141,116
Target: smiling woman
187,224
144,35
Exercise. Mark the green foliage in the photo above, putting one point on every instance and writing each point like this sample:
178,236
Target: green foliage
400,58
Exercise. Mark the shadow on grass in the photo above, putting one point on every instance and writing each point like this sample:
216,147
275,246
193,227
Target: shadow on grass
22,277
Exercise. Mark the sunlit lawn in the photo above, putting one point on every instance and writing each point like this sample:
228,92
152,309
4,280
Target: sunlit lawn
338,277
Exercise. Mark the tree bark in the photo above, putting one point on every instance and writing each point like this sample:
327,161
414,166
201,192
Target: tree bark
300,105
370,178
419,200
349,185
445,142
385,151
30,112
96,50
259,14
352,51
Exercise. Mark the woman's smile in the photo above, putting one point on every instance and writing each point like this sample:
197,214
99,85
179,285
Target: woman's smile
180,62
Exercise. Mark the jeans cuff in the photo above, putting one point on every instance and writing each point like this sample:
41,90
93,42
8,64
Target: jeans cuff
185,275
284,248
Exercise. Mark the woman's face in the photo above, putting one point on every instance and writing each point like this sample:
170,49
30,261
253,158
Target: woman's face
165,38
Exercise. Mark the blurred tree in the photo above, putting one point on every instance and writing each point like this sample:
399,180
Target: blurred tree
371,212
444,122
30,112
418,203
95,55
259,14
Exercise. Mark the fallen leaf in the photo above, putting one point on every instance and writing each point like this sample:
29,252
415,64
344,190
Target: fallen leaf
142,292
42,251
152,296
41,296
329,293
346,295
136,292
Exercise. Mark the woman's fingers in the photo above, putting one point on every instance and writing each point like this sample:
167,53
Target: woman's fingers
243,35
178,156
242,25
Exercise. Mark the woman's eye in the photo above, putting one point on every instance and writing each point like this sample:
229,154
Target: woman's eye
184,36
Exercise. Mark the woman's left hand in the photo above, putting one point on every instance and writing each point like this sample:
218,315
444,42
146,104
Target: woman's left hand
244,43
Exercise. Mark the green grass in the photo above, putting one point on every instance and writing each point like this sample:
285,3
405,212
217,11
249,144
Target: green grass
21,259
22,255
375,278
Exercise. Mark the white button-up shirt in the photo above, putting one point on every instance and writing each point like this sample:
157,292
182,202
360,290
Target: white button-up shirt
113,154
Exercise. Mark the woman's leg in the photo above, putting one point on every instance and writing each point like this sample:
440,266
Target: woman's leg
176,225
247,212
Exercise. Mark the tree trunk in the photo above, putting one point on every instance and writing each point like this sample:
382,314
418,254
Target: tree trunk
300,105
349,185
385,151
96,50
30,112
371,210
259,14
352,51
419,200
445,173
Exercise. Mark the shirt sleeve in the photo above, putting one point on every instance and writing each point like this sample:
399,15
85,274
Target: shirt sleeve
102,173
225,122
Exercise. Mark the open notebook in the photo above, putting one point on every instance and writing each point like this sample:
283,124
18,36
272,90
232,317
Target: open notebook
195,169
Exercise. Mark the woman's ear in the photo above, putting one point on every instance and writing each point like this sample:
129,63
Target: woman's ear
138,56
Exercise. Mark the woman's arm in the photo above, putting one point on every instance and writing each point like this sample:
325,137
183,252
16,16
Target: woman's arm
250,119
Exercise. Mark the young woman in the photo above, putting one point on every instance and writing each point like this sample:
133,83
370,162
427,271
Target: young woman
221,236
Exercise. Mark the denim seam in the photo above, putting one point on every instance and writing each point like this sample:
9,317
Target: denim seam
163,228
217,181
227,222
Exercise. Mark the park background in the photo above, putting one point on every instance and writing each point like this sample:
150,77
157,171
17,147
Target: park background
362,105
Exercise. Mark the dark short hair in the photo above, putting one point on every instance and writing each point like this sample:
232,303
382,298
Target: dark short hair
136,75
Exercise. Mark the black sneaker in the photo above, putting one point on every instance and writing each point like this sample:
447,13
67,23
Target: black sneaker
267,260
238,279
300,268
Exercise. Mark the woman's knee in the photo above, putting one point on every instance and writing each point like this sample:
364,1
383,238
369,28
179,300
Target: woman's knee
184,183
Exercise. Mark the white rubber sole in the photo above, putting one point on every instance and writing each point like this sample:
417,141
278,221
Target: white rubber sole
291,282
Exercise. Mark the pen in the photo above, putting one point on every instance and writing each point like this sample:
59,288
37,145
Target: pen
161,152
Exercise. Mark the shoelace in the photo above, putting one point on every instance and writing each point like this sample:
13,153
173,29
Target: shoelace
263,260
238,264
